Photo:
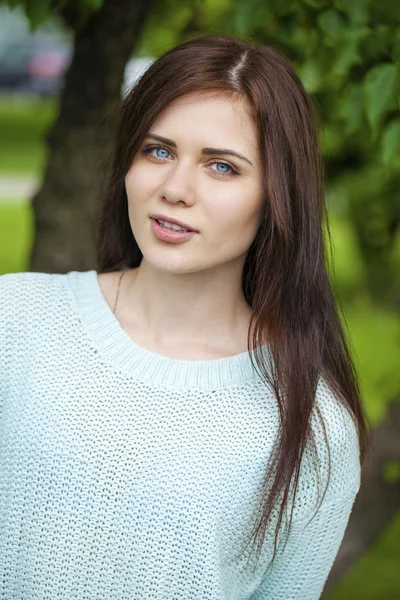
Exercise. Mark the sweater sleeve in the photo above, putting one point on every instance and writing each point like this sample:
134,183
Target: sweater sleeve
303,566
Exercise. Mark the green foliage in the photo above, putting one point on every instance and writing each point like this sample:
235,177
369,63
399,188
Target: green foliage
332,24
39,11
14,3
391,143
391,472
381,89
165,25
356,10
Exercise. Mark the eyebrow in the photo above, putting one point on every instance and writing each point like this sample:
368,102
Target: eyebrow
207,151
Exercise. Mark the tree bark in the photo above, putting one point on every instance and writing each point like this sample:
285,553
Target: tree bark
81,138
377,502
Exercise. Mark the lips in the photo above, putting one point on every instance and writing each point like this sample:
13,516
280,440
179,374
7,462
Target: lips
173,222
164,224
167,234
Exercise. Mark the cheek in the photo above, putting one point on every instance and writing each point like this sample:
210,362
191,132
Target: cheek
239,209
137,185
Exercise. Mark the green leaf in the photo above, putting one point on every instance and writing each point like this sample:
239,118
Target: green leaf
381,88
357,10
378,43
37,12
331,23
14,3
352,108
247,15
310,75
348,55
396,46
391,142
94,4
313,3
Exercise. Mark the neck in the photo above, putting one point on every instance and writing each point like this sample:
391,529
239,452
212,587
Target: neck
205,309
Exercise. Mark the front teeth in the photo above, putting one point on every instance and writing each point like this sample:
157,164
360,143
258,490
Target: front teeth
171,226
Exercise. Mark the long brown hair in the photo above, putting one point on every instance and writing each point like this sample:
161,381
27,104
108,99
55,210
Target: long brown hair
285,279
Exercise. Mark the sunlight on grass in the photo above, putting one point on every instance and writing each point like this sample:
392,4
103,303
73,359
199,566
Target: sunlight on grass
370,327
346,267
375,337
23,124
16,228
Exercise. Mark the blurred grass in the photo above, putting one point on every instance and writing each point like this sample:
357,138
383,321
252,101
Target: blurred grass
23,123
370,327
375,333
16,228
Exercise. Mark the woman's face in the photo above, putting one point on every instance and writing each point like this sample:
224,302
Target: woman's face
192,176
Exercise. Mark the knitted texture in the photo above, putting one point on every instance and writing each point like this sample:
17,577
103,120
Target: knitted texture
125,474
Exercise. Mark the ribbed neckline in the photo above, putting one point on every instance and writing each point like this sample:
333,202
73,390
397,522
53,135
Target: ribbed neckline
117,346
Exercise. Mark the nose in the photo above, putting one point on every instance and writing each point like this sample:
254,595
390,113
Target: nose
178,184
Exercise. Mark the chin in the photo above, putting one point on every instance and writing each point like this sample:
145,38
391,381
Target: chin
177,265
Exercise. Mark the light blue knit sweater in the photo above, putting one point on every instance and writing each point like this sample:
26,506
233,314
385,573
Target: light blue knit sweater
128,475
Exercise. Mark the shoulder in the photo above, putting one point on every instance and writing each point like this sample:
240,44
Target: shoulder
27,313
26,280
19,288
28,297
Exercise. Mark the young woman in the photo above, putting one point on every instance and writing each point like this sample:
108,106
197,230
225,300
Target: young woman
195,396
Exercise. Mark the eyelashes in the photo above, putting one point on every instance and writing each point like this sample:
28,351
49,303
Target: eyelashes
233,171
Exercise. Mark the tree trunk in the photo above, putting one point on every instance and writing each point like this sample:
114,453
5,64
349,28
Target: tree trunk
80,140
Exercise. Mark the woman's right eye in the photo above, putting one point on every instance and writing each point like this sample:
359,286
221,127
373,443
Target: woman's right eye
149,149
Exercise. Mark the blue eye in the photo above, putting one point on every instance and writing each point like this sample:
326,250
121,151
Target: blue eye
149,150
227,167
159,149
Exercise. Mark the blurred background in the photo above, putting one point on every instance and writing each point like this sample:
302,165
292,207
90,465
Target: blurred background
64,67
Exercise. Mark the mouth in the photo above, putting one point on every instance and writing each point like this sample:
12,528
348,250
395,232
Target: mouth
174,224
170,234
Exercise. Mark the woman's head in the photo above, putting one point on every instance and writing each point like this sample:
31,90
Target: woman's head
266,113
225,92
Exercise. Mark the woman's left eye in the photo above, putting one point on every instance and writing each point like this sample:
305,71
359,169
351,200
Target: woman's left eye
231,170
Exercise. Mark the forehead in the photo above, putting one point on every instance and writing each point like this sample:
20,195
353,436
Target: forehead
209,118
